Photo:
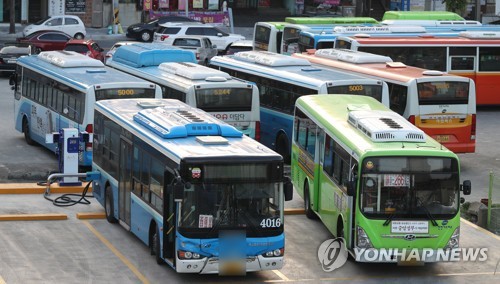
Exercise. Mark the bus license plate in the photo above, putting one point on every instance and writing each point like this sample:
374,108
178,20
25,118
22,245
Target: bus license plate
232,268
442,138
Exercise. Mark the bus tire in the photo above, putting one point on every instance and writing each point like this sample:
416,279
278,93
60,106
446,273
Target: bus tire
26,131
307,203
108,205
282,148
157,247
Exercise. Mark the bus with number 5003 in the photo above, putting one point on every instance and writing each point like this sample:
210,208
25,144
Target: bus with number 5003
375,179
58,89
201,195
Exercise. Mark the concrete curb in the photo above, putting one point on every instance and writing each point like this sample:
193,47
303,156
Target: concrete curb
33,188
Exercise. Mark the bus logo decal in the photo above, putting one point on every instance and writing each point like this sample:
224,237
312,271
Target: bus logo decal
332,254
410,237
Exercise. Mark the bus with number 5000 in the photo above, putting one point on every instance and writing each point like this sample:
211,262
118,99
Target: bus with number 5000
375,179
58,89
204,197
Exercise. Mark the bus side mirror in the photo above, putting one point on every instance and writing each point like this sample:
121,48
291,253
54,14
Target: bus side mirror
466,187
288,189
351,188
178,191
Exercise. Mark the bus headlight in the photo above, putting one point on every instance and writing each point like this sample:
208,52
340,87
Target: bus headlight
188,255
363,240
454,240
274,253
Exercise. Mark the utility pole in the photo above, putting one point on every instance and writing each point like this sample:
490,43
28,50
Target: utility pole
12,27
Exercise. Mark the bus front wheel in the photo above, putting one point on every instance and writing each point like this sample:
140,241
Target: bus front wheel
26,131
157,247
108,205
307,203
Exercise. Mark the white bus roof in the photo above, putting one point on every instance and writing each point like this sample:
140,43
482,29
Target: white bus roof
151,54
302,73
352,56
194,71
180,131
79,76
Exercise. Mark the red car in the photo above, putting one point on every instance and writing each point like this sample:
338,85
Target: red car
87,47
46,40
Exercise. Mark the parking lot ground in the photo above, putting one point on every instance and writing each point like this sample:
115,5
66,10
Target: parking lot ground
78,249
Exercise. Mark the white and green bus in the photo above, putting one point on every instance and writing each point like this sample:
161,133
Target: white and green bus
375,179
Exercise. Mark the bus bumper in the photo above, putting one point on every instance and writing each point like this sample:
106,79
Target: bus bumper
211,265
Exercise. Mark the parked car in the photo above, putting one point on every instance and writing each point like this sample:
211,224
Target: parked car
167,32
200,45
238,46
10,53
144,31
71,25
46,40
86,46
112,50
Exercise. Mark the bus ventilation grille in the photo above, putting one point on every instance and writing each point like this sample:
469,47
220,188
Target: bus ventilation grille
351,56
193,71
270,59
174,122
385,126
68,59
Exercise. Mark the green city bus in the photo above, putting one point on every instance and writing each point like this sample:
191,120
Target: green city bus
375,179
422,15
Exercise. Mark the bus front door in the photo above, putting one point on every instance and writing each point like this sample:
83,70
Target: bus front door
125,183
169,217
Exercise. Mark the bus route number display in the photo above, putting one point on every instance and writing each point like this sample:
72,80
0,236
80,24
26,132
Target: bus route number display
396,180
355,88
125,92
222,92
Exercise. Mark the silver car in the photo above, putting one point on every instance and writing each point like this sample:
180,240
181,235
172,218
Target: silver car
200,45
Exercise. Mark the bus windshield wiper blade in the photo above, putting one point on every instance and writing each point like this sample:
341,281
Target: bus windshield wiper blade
428,213
389,219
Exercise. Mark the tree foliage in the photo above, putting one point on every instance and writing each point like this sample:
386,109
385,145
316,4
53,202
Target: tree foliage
456,6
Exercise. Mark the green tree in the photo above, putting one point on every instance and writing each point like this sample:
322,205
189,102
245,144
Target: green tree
456,6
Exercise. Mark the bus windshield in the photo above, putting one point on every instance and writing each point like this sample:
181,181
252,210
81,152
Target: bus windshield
409,187
254,207
374,91
447,92
224,99
124,93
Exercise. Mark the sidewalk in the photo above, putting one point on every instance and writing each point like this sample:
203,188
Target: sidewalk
100,33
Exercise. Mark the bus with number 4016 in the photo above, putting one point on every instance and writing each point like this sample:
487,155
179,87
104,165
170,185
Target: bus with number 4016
204,197
375,179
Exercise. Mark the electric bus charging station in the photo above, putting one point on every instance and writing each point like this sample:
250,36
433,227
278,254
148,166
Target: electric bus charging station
68,148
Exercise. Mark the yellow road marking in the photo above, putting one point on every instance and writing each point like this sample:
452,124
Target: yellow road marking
1,280
480,228
127,262
281,275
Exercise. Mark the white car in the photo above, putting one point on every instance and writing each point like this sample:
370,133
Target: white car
71,25
112,50
166,33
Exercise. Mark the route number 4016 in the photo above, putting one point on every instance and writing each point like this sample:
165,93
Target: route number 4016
270,223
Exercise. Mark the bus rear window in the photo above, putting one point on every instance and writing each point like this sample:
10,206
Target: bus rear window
224,99
124,93
262,34
342,44
447,92
374,91
305,43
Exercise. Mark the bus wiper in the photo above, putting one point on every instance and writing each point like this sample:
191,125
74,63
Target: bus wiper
389,219
429,215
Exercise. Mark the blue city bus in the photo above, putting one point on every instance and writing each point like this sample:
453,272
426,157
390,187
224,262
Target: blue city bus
201,195
281,80
58,89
